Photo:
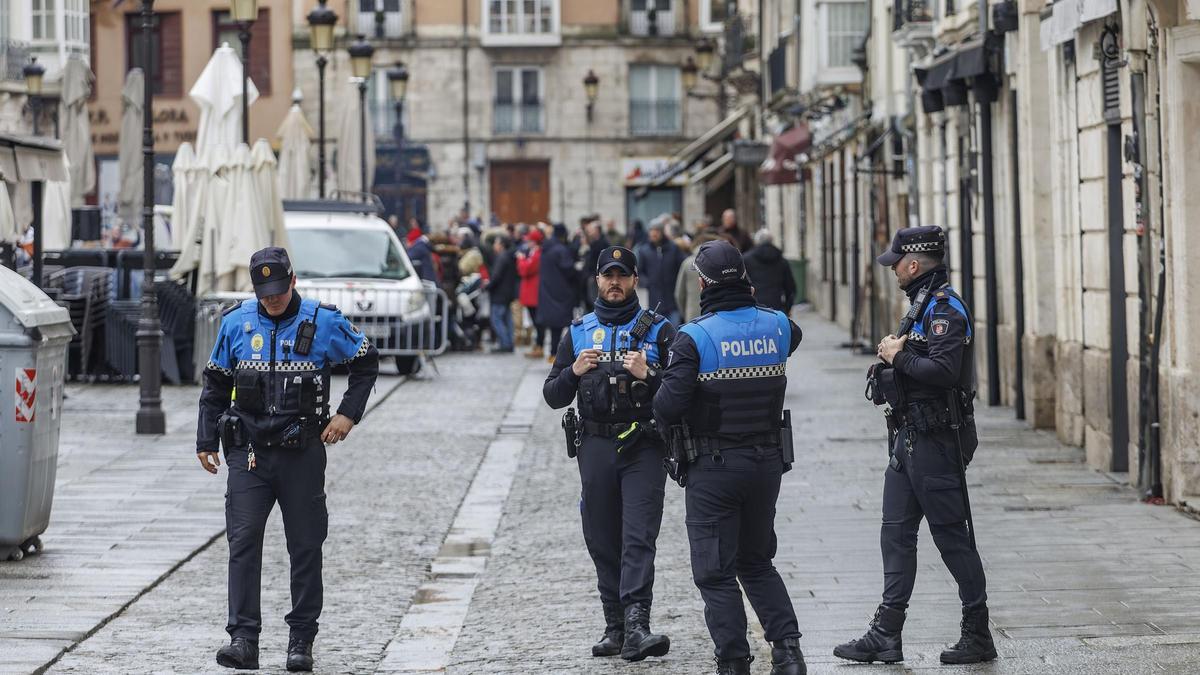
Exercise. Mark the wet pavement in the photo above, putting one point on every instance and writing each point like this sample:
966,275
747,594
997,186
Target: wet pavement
455,543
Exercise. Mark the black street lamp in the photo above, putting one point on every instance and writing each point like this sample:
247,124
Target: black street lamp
398,79
361,52
320,24
245,13
591,87
34,72
150,417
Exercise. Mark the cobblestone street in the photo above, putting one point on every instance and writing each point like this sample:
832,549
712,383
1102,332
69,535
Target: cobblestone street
424,571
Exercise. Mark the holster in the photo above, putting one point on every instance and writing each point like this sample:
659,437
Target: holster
785,441
570,425
681,451
231,431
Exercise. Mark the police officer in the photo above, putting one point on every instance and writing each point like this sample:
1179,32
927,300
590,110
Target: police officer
609,362
272,360
923,477
725,378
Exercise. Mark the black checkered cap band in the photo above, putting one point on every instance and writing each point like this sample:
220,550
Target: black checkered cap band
744,373
921,247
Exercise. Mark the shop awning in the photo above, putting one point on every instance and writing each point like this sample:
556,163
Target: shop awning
684,159
945,80
781,167
31,158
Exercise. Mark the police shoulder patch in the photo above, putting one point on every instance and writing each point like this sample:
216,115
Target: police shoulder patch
940,326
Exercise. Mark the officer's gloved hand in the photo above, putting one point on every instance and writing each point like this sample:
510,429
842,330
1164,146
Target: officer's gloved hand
338,429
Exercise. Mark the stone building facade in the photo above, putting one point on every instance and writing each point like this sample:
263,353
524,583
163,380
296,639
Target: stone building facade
497,97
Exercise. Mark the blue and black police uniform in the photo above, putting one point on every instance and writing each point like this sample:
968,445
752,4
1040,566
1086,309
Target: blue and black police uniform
266,398
725,378
620,457
922,480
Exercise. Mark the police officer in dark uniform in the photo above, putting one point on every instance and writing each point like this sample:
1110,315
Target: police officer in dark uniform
266,400
725,382
609,362
931,369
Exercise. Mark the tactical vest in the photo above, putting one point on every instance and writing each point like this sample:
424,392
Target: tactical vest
918,345
742,376
608,392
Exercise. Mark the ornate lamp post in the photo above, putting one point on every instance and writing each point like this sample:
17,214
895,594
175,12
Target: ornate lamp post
320,23
591,87
34,72
398,79
361,52
150,417
245,12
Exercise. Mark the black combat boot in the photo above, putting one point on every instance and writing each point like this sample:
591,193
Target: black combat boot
786,658
639,641
614,631
882,641
734,666
299,655
241,653
975,645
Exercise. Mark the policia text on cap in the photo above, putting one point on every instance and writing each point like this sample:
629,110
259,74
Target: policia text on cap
609,361
266,399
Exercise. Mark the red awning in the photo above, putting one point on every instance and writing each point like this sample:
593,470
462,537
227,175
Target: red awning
780,166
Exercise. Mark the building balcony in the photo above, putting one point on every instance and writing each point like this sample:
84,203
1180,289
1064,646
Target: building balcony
384,19
912,22
14,54
650,18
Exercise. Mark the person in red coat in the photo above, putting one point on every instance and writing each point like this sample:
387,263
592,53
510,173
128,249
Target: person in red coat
529,266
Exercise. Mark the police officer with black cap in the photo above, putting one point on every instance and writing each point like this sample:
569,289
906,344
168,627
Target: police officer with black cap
609,362
722,397
272,360
927,379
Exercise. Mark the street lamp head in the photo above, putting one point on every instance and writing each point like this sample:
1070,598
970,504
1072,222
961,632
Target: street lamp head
591,86
243,11
33,72
398,79
361,52
704,55
689,71
320,24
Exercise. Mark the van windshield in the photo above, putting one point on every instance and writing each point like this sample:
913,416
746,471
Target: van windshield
319,253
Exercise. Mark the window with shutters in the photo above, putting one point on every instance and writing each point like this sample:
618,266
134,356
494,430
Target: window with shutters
76,25
842,25
42,12
166,47
225,30
517,108
380,18
382,106
654,100
521,23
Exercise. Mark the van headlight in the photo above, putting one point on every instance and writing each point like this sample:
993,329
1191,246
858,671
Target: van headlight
416,303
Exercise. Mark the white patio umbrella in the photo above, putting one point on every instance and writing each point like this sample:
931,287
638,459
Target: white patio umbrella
295,171
76,131
349,147
184,215
9,230
241,229
218,92
56,213
265,173
129,149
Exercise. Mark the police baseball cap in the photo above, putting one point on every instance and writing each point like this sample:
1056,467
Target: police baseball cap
719,262
925,239
270,271
617,256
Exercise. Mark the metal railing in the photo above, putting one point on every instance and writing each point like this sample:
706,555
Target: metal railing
663,24
910,11
381,24
654,118
14,54
513,118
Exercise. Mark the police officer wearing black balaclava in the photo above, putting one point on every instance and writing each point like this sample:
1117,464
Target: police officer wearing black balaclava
725,379
932,369
609,361
266,399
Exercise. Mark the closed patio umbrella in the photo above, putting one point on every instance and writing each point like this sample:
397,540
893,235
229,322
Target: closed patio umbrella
265,172
56,213
76,131
295,170
218,92
349,145
10,232
184,215
129,149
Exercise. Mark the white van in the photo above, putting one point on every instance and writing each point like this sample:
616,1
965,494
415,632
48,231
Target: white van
344,254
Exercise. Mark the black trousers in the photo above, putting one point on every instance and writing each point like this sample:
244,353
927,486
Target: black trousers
622,507
731,529
296,479
927,485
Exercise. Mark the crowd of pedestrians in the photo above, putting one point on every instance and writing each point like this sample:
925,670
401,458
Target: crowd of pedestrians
539,277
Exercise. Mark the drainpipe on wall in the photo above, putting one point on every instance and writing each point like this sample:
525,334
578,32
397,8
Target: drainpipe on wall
991,288
466,111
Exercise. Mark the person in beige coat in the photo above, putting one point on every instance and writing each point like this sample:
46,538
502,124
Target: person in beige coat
687,289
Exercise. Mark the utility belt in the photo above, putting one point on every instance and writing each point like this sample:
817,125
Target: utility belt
931,416
234,434
607,429
684,446
625,434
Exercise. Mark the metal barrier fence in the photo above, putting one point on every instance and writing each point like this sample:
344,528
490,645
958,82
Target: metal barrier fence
399,322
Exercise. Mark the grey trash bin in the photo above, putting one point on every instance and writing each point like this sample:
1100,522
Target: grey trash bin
34,334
